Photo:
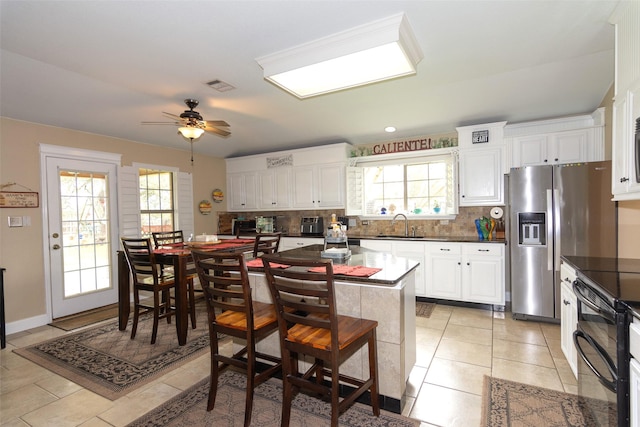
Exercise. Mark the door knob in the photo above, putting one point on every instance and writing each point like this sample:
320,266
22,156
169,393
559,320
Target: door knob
55,235
56,246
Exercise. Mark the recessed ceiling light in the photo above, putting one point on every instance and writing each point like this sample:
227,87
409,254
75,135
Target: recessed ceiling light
390,129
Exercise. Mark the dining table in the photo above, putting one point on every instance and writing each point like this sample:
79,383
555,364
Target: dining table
178,256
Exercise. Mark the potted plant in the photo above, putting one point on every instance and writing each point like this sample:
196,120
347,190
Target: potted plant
436,206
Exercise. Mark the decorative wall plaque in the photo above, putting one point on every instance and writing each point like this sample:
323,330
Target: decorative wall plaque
480,136
19,199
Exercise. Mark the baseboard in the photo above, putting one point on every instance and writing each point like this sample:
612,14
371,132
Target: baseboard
29,323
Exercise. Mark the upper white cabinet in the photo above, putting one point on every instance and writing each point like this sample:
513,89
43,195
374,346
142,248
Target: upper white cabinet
242,190
275,189
481,177
565,140
626,108
319,186
309,178
482,164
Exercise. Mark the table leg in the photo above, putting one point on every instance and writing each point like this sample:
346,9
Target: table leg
182,306
124,303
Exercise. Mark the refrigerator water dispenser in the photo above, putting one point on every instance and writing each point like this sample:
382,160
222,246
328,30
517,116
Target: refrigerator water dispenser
532,229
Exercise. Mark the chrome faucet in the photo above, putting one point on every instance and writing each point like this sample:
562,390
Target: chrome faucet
406,223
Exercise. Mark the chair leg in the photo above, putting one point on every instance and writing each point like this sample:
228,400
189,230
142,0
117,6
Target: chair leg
136,314
373,373
335,396
156,316
251,383
215,371
192,303
287,387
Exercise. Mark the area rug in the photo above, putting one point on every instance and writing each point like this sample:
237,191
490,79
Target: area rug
106,361
77,321
508,403
189,408
424,309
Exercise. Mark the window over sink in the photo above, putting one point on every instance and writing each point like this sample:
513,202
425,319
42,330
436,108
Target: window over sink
379,186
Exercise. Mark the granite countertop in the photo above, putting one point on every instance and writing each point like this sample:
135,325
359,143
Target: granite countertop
617,265
393,268
463,239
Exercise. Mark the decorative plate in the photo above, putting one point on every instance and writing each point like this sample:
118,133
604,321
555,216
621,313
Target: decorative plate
205,207
218,195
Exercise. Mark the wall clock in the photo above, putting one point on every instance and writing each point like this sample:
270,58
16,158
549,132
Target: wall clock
217,195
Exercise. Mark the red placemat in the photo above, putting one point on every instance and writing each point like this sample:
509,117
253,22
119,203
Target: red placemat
349,270
258,263
241,241
169,251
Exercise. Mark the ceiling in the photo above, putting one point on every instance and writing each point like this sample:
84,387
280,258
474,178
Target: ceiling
105,66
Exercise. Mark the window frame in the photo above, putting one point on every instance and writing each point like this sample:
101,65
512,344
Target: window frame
406,158
174,193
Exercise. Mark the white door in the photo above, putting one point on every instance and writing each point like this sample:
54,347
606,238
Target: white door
82,234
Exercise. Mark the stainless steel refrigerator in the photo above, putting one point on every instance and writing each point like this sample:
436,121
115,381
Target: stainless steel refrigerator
556,210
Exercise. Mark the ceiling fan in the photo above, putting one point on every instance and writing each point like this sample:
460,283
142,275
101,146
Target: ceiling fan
191,125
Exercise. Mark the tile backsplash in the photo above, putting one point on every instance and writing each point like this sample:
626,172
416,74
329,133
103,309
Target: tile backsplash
289,222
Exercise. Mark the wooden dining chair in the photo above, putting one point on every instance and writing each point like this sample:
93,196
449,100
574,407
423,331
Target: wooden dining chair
148,277
309,325
175,238
231,311
266,243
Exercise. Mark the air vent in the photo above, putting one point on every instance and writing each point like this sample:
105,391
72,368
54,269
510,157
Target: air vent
220,86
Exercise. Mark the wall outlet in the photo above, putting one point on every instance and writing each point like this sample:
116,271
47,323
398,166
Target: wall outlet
365,222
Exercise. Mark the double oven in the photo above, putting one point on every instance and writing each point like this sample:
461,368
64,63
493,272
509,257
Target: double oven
608,297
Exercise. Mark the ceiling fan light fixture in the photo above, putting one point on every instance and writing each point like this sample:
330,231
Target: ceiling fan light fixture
191,132
374,52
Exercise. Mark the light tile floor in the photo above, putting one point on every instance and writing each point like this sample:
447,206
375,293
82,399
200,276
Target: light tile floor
457,346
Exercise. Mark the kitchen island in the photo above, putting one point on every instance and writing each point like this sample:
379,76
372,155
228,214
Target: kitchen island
387,296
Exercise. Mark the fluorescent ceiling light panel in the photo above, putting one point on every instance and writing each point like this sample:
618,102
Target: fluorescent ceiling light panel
370,53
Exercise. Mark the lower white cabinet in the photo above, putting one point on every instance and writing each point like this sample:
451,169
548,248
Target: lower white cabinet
405,249
568,316
469,272
287,243
634,373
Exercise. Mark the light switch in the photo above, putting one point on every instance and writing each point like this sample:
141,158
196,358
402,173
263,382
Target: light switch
15,221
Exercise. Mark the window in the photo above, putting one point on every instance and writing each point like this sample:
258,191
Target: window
418,186
156,201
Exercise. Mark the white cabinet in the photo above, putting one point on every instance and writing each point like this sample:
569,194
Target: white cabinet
319,187
572,139
551,149
481,177
413,250
634,373
626,109
242,191
275,189
444,271
481,164
287,243
307,178
470,272
568,316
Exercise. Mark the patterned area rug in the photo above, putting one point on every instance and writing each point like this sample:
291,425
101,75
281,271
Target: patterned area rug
106,361
508,403
424,309
189,408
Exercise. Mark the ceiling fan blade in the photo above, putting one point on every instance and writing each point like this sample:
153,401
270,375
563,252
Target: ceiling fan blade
217,123
162,123
217,131
172,116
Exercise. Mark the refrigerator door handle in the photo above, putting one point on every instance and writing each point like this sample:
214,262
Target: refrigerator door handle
550,229
556,226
